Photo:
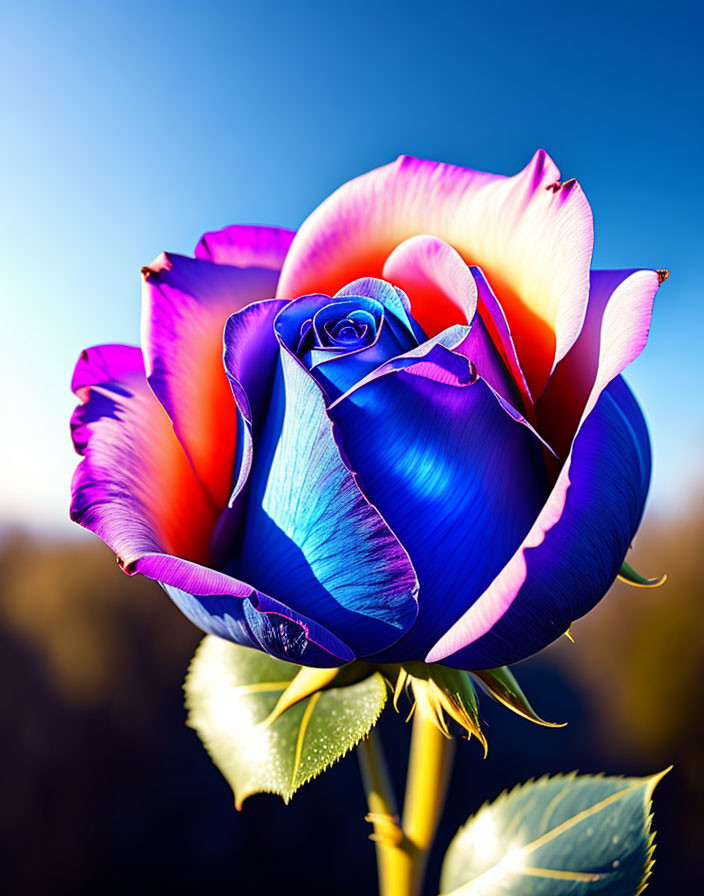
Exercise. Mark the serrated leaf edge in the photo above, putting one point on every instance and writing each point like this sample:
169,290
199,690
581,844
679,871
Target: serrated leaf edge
287,798
288,794
652,782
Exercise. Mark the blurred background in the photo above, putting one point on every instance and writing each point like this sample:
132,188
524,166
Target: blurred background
128,128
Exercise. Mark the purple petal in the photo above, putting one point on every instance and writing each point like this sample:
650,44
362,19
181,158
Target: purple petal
624,324
134,487
246,246
186,303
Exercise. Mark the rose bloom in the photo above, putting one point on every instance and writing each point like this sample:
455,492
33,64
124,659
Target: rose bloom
400,433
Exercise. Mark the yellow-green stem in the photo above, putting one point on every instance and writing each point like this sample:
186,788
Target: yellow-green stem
383,813
402,850
429,767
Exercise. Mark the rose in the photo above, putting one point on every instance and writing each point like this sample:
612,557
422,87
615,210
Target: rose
420,449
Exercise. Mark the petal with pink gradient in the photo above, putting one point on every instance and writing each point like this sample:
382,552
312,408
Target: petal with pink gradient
443,291
592,513
615,297
574,551
186,303
531,235
136,489
246,246
134,486
437,281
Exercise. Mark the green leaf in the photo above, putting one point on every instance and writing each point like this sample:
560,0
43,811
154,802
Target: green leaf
230,690
501,684
563,836
629,575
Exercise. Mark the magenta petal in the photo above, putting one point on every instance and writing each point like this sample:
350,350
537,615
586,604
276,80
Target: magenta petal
246,246
134,487
186,303
494,320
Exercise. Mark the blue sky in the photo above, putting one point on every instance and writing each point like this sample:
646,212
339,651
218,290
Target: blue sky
129,128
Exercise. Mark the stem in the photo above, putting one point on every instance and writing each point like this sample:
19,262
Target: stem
429,768
402,852
383,813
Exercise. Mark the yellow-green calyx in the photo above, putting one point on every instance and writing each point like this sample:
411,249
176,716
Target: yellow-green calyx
441,694
309,680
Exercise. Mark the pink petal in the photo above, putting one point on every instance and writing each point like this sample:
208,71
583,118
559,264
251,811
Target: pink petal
616,324
436,280
530,235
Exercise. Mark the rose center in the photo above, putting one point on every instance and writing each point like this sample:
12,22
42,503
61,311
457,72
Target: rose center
338,327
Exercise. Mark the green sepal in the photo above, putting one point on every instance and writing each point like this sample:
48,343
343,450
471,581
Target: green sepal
441,693
570,835
501,684
629,575
231,692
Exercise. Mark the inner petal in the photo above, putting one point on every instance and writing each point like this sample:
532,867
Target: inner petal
345,326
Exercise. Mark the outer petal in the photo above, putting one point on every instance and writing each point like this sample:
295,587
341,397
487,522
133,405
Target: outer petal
136,489
620,308
531,235
573,552
311,537
457,479
246,246
224,606
186,303
611,456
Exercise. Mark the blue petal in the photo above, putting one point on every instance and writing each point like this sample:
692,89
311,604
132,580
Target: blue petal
394,300
576,562
458,480
311,538
338,373
300,324
267,629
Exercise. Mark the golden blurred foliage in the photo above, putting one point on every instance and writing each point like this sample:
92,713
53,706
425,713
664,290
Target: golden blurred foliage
86,621
640,654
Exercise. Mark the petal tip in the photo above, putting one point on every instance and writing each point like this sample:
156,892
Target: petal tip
161,263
